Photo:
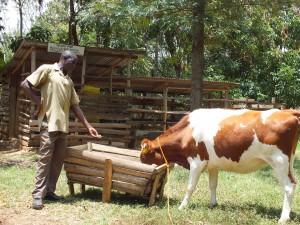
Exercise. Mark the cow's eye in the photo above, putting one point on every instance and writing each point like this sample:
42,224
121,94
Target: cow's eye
145,150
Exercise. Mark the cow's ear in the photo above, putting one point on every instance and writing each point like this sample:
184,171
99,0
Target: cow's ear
144,143
145,151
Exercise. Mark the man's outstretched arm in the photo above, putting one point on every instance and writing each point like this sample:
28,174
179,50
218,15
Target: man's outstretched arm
79,114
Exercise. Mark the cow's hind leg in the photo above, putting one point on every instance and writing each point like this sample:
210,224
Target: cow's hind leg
282,167
196,168
213,183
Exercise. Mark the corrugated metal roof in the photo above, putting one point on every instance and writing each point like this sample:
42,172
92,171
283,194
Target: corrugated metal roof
99,60
99,64
150,84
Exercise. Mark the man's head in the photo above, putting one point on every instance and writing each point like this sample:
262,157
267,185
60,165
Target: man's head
67,61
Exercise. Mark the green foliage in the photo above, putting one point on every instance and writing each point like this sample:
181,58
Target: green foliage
2,63
55,19
247,48
255,43
287,78
36,33
15,42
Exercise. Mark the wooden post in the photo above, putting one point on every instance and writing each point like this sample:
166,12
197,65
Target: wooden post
89,146
71,188
83,72
154,189
226,102
33,61
82,188
12,105
110,82
32,69
107,183
165,108
209,103
128,91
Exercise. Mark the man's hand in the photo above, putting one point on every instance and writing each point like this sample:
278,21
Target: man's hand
79,114
94,133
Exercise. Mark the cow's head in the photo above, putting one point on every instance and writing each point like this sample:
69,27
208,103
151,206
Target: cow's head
149,155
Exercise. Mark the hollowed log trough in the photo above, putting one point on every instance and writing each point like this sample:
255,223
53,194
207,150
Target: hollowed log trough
113,168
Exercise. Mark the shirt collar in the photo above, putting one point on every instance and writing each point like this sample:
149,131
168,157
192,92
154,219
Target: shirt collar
56,68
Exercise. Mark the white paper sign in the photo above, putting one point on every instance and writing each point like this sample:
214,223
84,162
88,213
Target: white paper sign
78,50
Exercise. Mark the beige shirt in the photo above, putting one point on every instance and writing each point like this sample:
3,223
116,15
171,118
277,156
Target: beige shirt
57,95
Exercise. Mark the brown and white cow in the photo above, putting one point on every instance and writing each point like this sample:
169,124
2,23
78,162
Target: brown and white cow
240,141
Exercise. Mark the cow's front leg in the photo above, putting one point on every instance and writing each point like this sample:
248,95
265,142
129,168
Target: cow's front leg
213,183
196,167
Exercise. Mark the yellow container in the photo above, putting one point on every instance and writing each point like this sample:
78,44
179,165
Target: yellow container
91,89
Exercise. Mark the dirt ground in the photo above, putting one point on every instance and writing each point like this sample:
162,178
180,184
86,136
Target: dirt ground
20,213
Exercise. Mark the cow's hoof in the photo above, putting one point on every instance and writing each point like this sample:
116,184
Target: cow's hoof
213,205
283,220
182,206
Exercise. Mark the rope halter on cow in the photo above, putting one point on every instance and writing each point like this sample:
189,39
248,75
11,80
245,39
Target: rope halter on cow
168,183
162,152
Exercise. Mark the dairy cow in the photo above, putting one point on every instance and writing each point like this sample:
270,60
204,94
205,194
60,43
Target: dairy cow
240,141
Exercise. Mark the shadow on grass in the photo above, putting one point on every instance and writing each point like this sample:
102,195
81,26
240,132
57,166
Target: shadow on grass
259,209
118,198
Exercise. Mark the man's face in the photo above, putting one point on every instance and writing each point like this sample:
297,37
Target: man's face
69,64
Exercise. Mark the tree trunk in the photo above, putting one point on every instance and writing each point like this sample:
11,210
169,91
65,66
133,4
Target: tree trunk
156,52
197,55
170,36
21,21
73,40
19,4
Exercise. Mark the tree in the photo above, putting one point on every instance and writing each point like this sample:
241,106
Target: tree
252,42
2,56
73,39
197,54
26,6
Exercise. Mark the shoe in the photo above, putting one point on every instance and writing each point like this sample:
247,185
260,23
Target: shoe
37,203
53,197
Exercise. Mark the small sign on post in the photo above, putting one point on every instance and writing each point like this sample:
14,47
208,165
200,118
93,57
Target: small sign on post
59,48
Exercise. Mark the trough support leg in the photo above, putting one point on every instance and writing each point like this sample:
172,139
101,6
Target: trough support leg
107,183
82,188
165,179
71,188
154,189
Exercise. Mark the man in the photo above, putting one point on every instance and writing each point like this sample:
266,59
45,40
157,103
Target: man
57,97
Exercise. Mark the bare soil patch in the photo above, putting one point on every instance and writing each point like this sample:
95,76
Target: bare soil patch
20,213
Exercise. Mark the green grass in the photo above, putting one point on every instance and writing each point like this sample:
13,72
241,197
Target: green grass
254,198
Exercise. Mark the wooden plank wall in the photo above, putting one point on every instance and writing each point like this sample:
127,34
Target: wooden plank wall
151,115
107,114
122,120
4,111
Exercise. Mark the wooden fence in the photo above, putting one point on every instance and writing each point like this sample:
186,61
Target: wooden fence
122,120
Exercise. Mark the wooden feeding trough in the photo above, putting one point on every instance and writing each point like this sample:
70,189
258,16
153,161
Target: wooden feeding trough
113,168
